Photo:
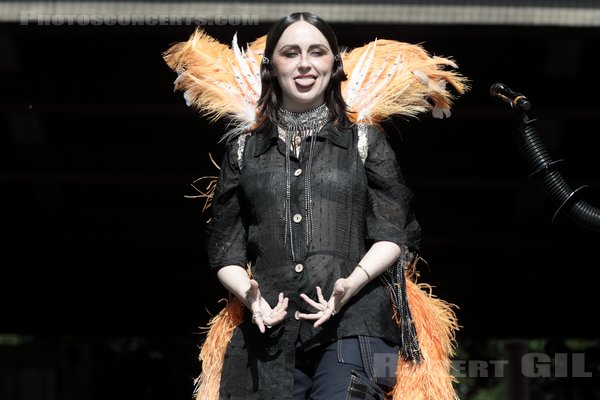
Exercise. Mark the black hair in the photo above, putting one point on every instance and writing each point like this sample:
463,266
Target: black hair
270,97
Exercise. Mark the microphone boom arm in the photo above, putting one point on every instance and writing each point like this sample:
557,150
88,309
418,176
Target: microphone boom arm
544,168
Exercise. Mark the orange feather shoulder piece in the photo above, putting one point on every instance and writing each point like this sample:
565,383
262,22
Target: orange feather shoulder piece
388,78
385,78
218,80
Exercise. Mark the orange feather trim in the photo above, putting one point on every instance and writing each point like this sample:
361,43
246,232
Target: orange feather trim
212,352
435,322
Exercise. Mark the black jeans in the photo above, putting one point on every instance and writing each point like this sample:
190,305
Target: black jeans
354,368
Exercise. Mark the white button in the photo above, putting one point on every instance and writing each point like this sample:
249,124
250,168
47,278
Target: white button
298,172
297,315
299,267
297,218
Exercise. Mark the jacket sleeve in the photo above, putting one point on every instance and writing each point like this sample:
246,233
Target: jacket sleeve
389,213
227,232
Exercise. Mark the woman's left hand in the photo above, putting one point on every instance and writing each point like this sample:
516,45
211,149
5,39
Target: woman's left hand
343,290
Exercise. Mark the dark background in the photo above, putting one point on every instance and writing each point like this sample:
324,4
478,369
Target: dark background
103,270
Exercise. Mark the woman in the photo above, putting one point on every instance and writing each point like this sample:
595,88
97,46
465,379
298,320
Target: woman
304,220
317,205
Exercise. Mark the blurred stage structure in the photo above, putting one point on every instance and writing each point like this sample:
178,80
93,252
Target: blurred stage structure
443,12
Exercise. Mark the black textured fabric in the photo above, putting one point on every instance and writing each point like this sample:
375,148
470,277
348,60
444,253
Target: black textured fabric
353,205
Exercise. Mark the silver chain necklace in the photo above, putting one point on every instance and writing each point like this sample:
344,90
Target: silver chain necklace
294,128
298,126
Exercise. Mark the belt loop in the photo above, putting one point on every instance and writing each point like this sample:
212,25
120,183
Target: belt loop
367,356
339,350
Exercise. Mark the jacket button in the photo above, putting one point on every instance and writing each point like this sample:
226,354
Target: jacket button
299,268
297,218
297,315
298,172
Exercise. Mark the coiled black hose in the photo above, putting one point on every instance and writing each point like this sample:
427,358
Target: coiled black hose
545,170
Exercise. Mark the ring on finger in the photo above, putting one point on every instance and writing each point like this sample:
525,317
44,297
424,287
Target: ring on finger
269,317
255,315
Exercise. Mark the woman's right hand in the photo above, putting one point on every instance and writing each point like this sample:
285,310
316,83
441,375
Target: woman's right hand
262,314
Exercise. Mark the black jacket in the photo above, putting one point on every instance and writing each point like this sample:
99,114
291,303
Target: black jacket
353,205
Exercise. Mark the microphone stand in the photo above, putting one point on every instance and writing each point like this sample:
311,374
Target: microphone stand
545,170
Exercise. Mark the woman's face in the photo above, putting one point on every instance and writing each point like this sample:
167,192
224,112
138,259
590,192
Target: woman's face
302,63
